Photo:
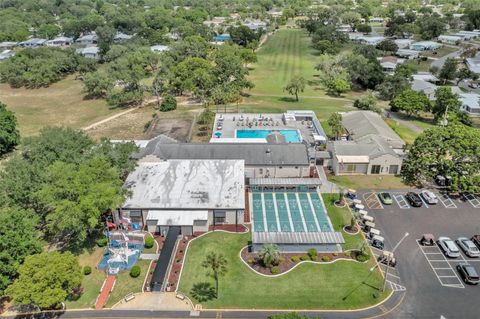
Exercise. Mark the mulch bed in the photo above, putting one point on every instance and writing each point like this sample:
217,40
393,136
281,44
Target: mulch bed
351,231
174,274
287,263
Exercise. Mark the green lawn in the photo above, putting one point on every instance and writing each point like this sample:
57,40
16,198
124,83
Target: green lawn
126,284
62,103
342,285
91,283
341,217
285,54
420,66
368,181
405,133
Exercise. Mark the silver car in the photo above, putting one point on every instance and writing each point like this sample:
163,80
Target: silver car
448,246
429,197
468,247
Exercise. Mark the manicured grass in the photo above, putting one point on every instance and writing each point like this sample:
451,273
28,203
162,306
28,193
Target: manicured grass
62,103
440,52
285,54
420,66
91,283
323,107
152,250
126,284
368,181
405,133
342,285
341,217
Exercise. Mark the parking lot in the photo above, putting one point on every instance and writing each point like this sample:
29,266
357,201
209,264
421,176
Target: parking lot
434,288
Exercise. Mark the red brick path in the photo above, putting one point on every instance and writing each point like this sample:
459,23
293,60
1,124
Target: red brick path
107,288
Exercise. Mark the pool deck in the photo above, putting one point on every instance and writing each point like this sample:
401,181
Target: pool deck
231,122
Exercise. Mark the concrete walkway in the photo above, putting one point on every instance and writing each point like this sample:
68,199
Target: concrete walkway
327,186
155,301
149,256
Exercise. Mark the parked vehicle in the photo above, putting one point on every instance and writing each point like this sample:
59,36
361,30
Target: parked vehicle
386,198
378,242
366,218
413,199
476,240
387,258
427,240
359,207
373,232
448,246
468,247
429,197
468,273
367,226
352,194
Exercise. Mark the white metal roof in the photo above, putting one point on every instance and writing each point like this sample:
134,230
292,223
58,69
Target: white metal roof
177,217
298,238
187,184
285,181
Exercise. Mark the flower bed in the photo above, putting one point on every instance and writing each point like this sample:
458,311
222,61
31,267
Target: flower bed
287,263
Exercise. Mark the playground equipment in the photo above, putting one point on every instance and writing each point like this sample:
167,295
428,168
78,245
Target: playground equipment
123,251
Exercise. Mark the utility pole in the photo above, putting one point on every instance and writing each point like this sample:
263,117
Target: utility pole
388,261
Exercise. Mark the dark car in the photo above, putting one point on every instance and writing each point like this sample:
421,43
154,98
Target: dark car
468,274
414,199
476,240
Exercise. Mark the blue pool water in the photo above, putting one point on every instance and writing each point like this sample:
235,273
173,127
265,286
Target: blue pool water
291,136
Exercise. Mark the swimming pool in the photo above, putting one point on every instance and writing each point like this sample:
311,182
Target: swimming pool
291,136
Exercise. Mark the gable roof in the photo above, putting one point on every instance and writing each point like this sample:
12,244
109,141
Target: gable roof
253,154
360,124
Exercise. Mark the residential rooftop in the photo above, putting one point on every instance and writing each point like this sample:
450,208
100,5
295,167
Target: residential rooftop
187,184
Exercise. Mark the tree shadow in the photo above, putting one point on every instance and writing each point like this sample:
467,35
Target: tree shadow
203,291
287,99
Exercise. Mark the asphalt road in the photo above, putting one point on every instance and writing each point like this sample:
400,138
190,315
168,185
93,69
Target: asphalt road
432,289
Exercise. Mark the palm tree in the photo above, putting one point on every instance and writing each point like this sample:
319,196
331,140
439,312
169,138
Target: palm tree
216,266
270,255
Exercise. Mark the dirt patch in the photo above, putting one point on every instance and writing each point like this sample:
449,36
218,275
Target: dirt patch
177,129
255,262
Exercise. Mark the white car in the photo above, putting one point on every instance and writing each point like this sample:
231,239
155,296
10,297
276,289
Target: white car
448,246
429,197
468,247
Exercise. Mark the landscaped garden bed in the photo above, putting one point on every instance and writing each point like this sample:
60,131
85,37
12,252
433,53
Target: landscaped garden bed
290,260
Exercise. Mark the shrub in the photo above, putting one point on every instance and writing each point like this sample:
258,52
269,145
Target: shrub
275,270
87,270
314,258
363,258
335,254
250,261
149,242
168,104
348,253
303,258
135,271
102,242
313,254
295,259
325,258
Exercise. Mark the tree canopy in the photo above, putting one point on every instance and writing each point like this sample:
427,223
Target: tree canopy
46,280
9,135
451,150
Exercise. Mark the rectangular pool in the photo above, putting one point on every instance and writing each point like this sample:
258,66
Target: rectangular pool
291,136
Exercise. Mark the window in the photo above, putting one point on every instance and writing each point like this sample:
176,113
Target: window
393,169
219,217
261,170
375,169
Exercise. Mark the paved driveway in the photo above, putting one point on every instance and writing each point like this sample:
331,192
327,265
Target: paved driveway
433,287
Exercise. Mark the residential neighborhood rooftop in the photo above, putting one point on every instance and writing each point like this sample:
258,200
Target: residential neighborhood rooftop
186,184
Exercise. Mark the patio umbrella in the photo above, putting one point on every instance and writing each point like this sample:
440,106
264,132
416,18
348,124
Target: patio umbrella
218,134
276,137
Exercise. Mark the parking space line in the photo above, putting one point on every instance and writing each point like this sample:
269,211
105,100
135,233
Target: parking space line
401,201
423,201
472,200
446,201
372,201
438,270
